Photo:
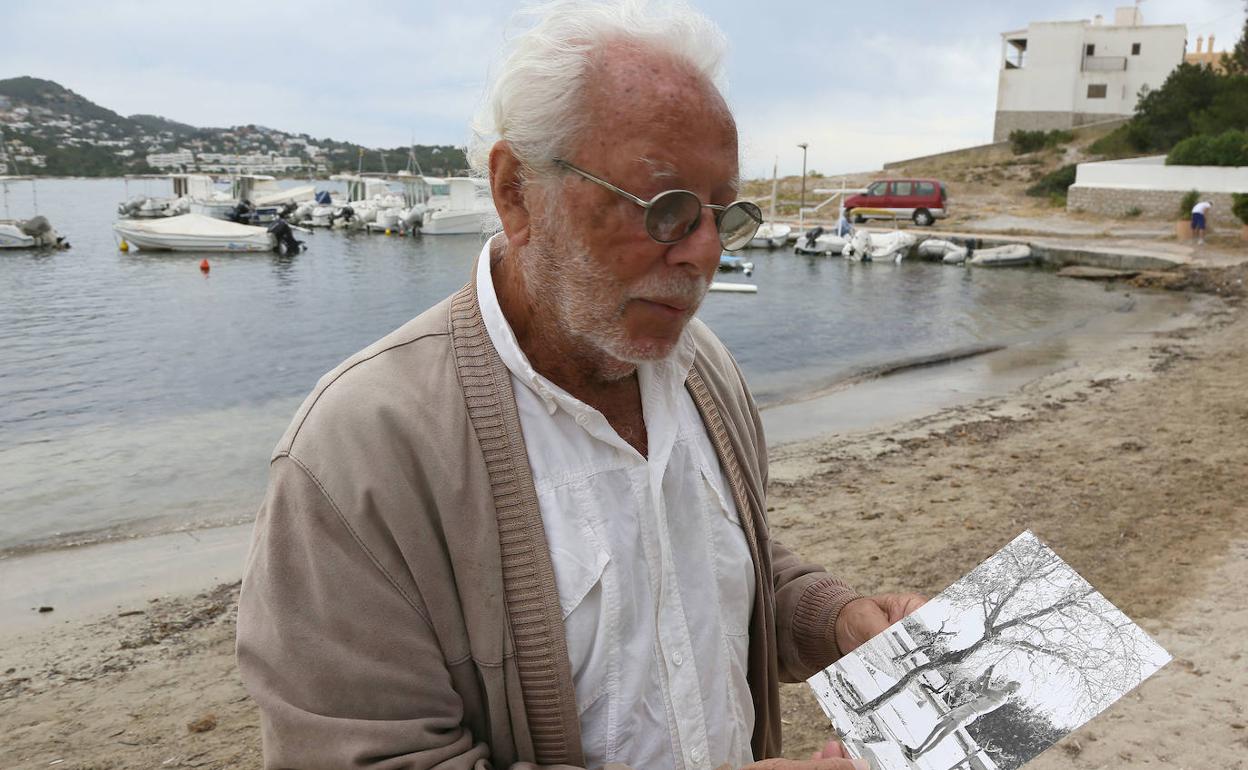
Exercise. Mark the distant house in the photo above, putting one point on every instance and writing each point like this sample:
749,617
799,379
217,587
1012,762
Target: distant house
1206,56
1063,74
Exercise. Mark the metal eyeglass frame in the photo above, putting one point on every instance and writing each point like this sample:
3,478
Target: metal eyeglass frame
755,214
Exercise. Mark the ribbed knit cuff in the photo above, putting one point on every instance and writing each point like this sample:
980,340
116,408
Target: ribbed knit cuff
814,621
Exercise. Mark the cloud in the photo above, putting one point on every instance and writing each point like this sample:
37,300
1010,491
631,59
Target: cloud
862,83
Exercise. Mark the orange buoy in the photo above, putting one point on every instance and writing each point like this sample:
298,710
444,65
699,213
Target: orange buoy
204,266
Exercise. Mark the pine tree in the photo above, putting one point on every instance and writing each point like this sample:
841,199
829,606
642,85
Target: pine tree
1236,62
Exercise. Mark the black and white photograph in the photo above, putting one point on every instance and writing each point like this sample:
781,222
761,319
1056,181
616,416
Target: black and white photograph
991,672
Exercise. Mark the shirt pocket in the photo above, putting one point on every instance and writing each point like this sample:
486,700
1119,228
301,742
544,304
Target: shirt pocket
734,568
580,563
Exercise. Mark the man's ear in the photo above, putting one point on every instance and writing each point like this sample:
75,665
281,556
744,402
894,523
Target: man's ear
508,192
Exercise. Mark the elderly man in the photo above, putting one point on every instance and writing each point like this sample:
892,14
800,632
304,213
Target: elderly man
528,527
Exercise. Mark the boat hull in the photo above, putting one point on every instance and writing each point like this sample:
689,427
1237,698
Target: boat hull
454,222
171,235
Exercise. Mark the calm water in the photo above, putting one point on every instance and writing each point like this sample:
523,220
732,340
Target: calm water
137,393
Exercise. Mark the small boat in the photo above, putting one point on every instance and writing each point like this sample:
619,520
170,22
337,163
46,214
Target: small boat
816,242
873,247
946,251
770,235
194,232
734,288
1009,255
731,262
464,211
33,233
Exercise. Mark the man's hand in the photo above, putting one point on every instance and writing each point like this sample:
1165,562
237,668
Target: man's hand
863,618
832,757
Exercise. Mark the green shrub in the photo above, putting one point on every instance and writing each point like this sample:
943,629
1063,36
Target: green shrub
1056,182
1239,206
1022,142
1135,211
1229,148
1187,202
1123,142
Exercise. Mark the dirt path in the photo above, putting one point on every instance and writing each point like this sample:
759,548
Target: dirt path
1135,470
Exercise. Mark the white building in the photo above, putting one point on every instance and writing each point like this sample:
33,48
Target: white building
1063,74
180,159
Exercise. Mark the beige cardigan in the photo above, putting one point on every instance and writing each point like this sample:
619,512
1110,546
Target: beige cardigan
399,607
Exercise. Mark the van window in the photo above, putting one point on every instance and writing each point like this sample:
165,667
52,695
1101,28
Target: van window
924,188
877,188
902,188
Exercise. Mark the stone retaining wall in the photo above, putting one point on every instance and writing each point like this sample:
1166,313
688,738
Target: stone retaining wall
1153,204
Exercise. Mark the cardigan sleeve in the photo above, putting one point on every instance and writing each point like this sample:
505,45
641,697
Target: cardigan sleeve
344,665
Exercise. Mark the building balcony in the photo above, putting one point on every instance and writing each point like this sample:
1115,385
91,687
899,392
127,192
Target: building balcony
1104,63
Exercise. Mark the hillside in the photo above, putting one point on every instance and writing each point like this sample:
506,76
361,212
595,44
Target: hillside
49,130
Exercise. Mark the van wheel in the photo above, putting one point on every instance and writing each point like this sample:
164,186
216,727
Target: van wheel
923,218
859,219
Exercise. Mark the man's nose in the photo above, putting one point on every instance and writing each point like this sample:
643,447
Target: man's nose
700,249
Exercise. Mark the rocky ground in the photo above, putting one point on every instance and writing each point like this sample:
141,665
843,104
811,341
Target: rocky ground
1135,470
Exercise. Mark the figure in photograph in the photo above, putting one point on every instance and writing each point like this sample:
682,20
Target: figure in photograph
984,699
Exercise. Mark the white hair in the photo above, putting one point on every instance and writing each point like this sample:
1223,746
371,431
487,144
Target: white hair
534,103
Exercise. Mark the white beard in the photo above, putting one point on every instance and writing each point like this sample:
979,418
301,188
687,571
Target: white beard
565,282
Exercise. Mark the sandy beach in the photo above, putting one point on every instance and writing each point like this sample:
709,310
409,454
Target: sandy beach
1131,466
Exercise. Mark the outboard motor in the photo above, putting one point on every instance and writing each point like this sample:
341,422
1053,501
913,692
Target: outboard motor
346,214
40,229
812,235
286,243
242,213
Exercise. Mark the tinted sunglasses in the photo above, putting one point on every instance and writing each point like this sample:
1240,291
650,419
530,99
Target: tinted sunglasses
673,214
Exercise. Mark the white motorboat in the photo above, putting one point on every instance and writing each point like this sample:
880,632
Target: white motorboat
816,242
262,192
873,247
1010,255
33,233
946,251
193,232
185,188
466,210
770,235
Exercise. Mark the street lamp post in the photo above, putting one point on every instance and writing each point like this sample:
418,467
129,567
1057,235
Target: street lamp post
801,211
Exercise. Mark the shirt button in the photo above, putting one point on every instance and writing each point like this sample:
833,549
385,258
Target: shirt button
581,419
696,755
677,658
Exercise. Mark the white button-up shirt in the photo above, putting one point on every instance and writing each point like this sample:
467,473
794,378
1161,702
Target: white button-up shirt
653,569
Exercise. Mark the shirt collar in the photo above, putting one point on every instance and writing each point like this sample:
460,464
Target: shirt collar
668,375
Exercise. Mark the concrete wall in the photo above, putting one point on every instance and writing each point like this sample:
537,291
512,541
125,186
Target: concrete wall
1008,122
989,152
1115,187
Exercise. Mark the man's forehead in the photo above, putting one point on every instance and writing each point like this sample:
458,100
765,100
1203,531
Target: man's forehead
660,169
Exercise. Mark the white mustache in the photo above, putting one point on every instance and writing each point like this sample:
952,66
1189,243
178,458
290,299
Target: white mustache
689,290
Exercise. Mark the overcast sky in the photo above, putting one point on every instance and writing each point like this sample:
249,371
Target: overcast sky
863,83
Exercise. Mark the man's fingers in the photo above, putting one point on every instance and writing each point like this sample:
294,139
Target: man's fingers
810,764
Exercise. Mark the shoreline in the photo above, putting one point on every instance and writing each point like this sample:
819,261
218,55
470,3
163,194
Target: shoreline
1100,458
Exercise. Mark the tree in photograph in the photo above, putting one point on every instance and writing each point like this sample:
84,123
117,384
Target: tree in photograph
1035,606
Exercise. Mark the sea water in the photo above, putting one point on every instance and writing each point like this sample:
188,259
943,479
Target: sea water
139,394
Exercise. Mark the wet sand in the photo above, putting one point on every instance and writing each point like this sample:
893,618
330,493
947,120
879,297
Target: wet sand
1130,465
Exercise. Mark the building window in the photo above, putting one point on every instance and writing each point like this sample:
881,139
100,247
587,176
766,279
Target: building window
1097,90
1089,50
1135,49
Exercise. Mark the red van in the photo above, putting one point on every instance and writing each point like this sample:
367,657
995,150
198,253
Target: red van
922,200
